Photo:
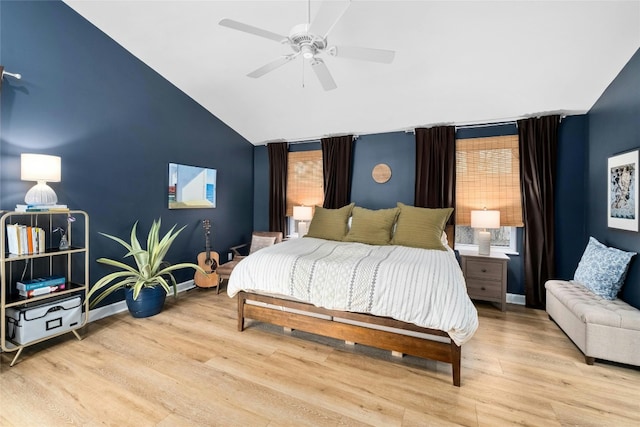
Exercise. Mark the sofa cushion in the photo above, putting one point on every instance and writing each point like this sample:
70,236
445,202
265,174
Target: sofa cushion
602,270
594,309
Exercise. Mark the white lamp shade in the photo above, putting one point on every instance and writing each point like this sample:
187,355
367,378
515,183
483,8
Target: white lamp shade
302,213
40,167
485,219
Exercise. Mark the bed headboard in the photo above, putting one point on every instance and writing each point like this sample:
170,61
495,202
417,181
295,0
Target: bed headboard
451,235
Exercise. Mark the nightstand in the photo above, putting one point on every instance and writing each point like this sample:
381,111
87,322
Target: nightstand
486,276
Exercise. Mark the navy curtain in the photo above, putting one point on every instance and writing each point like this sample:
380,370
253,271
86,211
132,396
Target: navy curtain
277,186
538,162
435,185
336,168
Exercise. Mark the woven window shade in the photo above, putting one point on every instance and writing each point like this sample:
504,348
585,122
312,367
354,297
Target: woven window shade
305,185
488,176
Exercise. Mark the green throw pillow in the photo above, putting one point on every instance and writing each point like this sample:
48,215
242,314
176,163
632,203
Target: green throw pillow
420,227
330,224
373,227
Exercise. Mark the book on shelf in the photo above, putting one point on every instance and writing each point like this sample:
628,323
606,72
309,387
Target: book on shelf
42,208
41,282
25,240
41,291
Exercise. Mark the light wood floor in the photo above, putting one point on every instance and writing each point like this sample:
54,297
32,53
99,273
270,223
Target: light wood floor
189,366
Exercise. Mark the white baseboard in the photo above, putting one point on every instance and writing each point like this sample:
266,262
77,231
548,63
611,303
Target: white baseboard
516,299
120,306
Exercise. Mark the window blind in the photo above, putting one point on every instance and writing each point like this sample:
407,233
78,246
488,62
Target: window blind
488,176
305,184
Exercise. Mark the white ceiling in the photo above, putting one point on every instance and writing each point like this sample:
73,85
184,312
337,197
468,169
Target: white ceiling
456,61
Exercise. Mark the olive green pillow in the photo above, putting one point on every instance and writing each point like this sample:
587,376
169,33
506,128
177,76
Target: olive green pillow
420,227
330,224
373,227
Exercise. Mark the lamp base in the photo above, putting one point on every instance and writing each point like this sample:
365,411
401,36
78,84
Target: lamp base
484,243
41,194
302,228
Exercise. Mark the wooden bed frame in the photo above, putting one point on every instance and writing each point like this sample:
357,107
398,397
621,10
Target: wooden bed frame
448,352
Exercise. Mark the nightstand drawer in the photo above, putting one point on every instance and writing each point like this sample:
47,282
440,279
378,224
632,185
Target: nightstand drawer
485,270
484,290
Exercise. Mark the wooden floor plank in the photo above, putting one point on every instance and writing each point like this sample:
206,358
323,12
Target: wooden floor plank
190,366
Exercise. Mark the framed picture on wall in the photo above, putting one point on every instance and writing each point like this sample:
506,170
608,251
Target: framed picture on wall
191,187
622,203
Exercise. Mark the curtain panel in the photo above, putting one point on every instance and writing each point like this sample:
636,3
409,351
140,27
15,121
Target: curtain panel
336,167
277,186
435,185
538,162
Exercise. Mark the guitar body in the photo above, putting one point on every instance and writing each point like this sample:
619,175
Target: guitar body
208,264
208,261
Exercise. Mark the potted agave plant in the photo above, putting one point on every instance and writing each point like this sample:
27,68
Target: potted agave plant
147,283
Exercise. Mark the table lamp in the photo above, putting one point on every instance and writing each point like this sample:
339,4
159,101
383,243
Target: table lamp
302,214
485,219
41,168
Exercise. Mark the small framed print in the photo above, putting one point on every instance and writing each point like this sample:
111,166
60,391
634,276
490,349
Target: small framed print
622,203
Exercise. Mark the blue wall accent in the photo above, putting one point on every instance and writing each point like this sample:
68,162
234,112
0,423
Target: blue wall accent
614,128
117,124
571,195
396,149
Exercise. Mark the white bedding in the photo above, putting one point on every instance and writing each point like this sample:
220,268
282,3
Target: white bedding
419,286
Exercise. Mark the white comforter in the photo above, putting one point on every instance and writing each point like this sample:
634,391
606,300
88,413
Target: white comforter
424,287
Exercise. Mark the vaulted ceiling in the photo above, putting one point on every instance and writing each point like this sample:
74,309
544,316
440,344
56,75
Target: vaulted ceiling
455,62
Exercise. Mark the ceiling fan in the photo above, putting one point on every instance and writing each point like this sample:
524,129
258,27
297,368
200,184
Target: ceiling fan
310,41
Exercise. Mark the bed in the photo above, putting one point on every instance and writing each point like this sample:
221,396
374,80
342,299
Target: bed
405,299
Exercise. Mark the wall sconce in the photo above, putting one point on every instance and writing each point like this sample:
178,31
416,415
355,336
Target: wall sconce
41,168
302,214
485,219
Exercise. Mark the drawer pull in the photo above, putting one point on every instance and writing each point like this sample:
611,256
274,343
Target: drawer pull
483,288
484,270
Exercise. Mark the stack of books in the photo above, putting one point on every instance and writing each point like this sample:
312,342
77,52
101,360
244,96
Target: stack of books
44,285
42,208
25,240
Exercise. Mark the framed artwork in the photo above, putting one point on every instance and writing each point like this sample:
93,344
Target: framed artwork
191,187
622,203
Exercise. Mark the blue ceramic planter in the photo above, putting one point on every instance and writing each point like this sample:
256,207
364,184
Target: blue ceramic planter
149,303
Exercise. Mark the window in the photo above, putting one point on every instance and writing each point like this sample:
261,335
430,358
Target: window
488,176
305,183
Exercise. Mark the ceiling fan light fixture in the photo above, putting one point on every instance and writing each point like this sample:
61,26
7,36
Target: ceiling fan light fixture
307,52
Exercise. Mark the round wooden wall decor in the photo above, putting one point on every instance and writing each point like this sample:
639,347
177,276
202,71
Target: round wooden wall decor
381,173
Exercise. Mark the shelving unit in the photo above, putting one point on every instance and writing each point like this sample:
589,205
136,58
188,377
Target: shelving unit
73,263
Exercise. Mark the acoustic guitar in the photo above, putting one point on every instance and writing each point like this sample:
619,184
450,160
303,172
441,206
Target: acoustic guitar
208,261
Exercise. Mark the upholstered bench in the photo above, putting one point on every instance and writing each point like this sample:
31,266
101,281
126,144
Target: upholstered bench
600,328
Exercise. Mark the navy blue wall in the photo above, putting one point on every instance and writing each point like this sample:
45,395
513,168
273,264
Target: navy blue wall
570,195
614,128
116,124
398,150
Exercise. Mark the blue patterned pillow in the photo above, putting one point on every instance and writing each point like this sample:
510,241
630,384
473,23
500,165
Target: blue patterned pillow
602,270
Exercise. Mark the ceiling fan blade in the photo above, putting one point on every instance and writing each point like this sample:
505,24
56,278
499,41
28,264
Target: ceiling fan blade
230,23
363,53
323,74
271,66
326,19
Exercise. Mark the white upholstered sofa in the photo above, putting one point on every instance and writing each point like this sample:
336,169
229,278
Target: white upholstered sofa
601,328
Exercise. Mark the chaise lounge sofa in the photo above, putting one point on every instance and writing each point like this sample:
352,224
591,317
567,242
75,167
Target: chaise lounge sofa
600,328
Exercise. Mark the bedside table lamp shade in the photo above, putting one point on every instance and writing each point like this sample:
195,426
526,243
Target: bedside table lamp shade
485,219
302,214
42,169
